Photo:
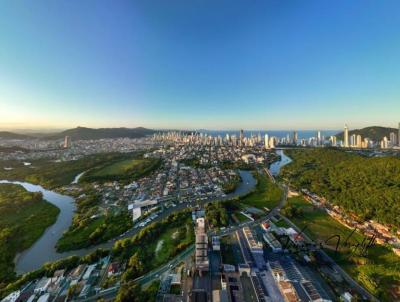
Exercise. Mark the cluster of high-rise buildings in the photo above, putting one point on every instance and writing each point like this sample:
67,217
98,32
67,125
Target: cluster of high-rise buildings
218,140
357,141
270,142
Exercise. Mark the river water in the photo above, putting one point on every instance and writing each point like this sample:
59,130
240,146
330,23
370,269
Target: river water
43,250
275,168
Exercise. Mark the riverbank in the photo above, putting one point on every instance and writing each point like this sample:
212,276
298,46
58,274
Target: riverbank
44,249
24,217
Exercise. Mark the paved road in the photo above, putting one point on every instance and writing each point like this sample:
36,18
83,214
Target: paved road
250,224
110,295
161,270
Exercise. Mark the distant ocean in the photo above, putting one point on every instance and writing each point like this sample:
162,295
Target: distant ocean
306,134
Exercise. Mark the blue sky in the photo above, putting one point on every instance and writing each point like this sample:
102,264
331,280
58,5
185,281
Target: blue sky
199,64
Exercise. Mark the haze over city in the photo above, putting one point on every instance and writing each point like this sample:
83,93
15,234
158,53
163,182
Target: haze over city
199,64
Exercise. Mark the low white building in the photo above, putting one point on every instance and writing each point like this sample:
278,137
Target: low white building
44,298
136,213
42,285
12,297
249,158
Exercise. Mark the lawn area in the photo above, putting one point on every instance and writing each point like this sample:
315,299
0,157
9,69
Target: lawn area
248,291
24,216
230,250
377,271
266,194
131,168
170,238
282,223
240,217
155,244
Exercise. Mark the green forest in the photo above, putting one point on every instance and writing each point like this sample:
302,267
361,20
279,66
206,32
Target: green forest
155,245
368,187
52,174
88,228
266,194
24,216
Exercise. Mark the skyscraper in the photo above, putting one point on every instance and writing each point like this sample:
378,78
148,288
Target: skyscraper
266,141
384,143
393,139
358,141
294,137
333,140
319,138
67,142
271,143
352,140
398,136
346,136
241,137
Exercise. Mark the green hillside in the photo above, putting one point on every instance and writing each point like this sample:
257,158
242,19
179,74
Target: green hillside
376,133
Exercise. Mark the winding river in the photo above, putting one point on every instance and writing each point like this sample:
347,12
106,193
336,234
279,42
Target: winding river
43,250
275,168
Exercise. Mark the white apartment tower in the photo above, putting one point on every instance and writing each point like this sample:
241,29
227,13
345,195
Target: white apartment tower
346,136
266,141
67,142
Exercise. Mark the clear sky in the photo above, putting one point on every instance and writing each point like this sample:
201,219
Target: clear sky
199,64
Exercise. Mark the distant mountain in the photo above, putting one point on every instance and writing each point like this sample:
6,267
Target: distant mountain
12,135
376,133
82,133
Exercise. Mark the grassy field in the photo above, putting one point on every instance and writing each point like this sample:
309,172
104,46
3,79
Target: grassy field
51,174
155,244
24,216
120,167
240,217
170,238
126,168
231,253
248,291
376,272
267,194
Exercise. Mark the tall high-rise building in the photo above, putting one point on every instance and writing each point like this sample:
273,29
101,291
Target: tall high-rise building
266,141
241,137
346,136
358,141
319,141
353,140
201,245
398,136
295,137
272,142
67,142
393,139
333,140
384,143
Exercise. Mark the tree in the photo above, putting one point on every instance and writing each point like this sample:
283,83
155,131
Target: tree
129,292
